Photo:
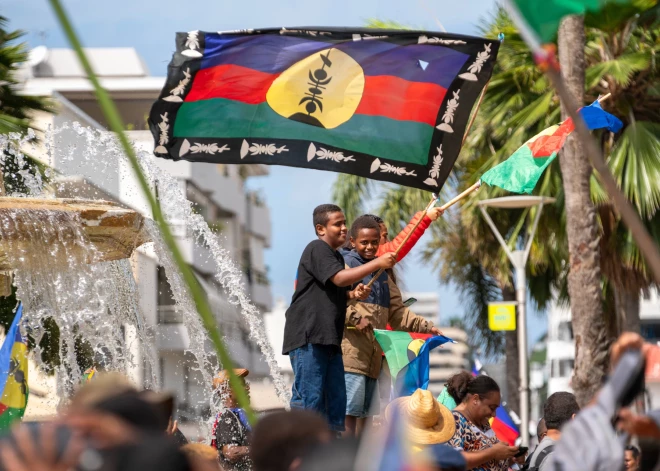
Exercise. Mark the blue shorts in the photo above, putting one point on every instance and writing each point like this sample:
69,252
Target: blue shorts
318,382
361,395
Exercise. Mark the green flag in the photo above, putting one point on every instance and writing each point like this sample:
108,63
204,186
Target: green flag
400,348
544,16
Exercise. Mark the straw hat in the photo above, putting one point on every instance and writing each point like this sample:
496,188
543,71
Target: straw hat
223,377
428,422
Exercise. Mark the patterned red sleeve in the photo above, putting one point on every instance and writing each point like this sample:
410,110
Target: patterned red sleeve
410,243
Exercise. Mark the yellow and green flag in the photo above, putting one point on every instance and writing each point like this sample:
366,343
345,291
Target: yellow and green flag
13,374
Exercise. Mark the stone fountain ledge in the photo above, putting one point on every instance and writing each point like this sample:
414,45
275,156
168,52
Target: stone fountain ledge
113,231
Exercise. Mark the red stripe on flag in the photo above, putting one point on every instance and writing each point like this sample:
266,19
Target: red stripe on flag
386,96
232,82
545,146
396,98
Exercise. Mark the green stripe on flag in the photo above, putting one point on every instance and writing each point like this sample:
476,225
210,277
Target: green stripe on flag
403,141
395,346
9,417
520,172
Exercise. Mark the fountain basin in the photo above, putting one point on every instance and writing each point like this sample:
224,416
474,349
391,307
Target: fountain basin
111,232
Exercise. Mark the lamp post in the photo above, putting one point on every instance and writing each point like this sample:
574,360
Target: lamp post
518,259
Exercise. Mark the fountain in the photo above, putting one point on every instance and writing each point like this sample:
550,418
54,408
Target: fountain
70,262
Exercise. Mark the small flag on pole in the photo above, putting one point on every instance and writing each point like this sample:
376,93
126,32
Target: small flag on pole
520,172
13,374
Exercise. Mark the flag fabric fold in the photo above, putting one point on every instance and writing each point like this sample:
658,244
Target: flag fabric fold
504,427
13,374
407,355
544,16
387,105
520,172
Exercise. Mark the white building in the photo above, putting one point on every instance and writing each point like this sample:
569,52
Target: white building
450,358
561,345
217,191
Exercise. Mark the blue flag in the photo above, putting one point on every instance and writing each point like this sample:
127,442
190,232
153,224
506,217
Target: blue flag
415,375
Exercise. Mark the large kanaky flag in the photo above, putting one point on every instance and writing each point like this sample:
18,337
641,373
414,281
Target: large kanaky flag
387,105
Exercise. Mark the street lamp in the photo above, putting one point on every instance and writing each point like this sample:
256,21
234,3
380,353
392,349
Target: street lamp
518,259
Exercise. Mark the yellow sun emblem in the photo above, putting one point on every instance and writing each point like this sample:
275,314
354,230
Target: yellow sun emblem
323,89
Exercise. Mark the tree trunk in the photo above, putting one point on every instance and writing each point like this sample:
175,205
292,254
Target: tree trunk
627,310
584,278
512,360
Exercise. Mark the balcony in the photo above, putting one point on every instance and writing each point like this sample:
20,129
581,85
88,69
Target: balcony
259,219
172,335
262,296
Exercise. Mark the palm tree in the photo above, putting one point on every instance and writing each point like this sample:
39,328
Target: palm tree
518,105
15,108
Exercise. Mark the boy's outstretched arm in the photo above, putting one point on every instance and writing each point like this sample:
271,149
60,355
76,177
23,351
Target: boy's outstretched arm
348,276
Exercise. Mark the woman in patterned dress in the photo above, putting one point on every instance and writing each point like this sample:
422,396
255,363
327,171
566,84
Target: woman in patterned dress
478,399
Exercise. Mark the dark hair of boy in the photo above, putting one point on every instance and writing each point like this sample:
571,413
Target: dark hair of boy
321,214
280,438
375,218
364,222
559,409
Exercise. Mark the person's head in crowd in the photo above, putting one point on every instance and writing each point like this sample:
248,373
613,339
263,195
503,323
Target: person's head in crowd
541,430
112,393
428,422
202,453
384,235
280,439
456,388
558,410
223,388
103,386
631,458
336,455
480,396
330,225
365,237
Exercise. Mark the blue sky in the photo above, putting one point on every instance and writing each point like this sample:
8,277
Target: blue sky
292,194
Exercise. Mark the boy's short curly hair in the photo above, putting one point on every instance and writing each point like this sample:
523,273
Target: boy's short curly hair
322,213
364,222
559,409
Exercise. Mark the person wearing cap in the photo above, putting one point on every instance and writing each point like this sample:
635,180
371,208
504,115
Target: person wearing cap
231,431
478,399
427,421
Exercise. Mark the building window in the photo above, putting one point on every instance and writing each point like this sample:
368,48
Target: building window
565,332
562,368
167,311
